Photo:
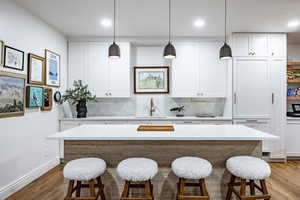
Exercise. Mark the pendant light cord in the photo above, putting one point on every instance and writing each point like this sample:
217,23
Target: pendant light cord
114,20
169,21
225,21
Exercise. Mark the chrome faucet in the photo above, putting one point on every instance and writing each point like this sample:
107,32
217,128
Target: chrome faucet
152,108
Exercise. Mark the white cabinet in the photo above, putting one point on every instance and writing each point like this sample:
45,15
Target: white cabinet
292,138
107,78
212,71
261,125
252,94
248,44
277,45
197,71
185,70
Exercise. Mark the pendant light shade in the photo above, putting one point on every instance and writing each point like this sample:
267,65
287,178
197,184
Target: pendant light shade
225,51
114,49
169,51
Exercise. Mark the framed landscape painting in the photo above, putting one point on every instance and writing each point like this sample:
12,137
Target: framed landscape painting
13,58
36,69
151,80
52,68
12,94
34,96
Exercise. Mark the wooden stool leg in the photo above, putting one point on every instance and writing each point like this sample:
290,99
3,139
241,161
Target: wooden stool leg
181,188
70,188
252,187
230,188
203,187
264,187
78,188
101,188
125,192
92,188
148,190
243,188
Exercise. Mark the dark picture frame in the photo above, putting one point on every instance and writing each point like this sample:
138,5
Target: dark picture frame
296,108
33,67
18,83
47,99
34,96
12,58
151,80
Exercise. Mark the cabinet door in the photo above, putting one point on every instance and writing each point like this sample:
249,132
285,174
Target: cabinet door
212,71
78,62
252,94
119,73
185,70
261,125
98,74
241,44
278,45
292,138
259,45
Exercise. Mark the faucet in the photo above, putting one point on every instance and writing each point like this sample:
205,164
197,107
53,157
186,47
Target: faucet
152,108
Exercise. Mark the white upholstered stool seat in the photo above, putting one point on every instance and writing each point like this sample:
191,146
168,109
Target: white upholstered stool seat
84,169
191,168
137,169
248,167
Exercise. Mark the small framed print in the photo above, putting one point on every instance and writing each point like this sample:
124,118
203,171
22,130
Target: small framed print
34,96
13,58
296,108
36,69
151,80
52,68
47,99
1,52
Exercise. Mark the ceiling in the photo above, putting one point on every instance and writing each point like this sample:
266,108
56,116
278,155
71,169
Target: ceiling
150,17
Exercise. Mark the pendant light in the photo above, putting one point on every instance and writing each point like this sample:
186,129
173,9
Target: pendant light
169,51
114,49
225,52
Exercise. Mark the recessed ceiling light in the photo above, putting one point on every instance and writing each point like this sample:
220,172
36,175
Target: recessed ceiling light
199,23
106,22
293,24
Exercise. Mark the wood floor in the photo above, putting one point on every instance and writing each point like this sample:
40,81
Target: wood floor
284,184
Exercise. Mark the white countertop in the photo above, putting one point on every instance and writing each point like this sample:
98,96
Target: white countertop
134,118
182,132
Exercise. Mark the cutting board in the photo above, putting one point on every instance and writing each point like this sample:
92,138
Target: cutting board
155,128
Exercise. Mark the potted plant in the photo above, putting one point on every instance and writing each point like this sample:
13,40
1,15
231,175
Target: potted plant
179,110
79,95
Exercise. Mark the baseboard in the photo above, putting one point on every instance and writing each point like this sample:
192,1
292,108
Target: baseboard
27,178
293,156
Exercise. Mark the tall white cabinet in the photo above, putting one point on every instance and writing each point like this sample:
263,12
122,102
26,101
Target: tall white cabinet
107,78
259,85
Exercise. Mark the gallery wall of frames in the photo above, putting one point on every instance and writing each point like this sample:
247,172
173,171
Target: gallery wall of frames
32,90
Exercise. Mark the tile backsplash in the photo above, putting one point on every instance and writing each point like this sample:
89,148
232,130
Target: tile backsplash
139,105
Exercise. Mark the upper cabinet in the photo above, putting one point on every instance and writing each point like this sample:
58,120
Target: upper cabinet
107,78
198,72
259,45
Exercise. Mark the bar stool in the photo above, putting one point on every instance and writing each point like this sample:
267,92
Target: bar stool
248,168
191,168
85,170
137,173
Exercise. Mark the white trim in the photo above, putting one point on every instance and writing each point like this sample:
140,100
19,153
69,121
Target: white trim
27,178
293,154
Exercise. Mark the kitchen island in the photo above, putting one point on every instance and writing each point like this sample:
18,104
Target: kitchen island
114,143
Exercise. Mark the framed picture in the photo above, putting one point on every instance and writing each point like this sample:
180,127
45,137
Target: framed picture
34,96
47,99
52,68
12,94
36,69
57,97
13,58
296,108
1,52
151,80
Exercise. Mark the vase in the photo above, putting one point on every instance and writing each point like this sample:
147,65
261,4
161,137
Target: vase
81,109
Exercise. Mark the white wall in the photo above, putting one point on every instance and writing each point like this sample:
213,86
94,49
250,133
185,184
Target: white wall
24,151
293,52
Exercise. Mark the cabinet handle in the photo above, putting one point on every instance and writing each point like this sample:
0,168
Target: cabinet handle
273,98
234,98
